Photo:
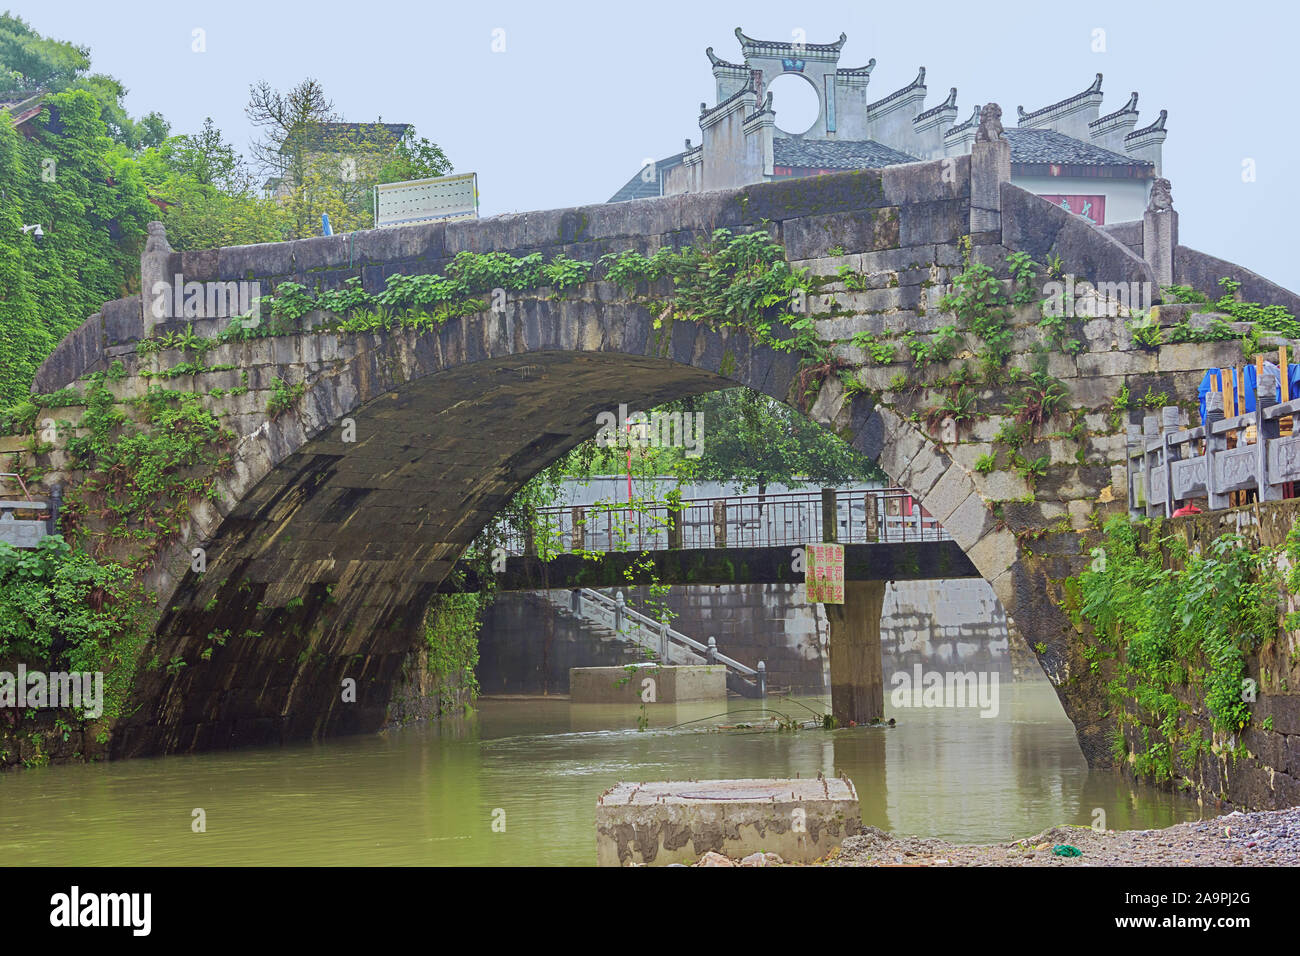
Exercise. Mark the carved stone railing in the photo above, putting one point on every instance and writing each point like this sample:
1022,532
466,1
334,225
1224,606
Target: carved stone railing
1246,453
25,521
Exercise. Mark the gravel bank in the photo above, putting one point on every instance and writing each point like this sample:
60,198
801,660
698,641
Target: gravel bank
1264,838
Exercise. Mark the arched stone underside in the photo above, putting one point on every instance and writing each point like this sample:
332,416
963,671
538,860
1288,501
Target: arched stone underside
324,554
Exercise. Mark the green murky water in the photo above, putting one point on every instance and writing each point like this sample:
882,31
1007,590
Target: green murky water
431,795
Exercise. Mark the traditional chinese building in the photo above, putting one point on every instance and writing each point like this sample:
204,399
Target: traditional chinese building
1101,167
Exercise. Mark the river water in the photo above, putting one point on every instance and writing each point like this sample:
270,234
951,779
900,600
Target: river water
516,782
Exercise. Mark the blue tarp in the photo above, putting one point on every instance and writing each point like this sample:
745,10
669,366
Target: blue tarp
1212,380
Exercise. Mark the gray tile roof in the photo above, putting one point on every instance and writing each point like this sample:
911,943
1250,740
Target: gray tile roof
638,188
836,154
1028,147
1040,146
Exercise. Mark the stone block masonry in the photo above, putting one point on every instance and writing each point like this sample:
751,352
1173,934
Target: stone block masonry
679,821
647,683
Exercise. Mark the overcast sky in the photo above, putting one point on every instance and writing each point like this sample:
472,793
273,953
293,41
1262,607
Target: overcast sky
584,92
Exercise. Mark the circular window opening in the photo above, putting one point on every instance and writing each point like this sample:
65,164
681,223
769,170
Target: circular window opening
796,104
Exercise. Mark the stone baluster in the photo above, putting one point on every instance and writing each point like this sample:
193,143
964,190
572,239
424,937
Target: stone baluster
1214,444
1266,430
1168,428
1150,432
1136,477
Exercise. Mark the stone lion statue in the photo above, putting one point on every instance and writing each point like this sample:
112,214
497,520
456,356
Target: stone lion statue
990,128
1161,196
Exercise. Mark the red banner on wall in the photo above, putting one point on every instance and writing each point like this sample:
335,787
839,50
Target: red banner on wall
824,573
1092,208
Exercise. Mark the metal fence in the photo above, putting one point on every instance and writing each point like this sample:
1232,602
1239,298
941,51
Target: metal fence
788,519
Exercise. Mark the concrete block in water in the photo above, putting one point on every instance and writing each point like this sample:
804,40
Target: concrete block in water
680,821
667,684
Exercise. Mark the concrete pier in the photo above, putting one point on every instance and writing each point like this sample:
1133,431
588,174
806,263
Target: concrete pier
857,681
680,821
649,683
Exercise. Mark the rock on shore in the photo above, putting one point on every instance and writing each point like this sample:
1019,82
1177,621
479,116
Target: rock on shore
1263,838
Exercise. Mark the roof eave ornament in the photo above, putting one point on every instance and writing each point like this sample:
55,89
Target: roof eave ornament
836,46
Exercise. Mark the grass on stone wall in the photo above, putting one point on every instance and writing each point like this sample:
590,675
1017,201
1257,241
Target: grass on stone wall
1166,621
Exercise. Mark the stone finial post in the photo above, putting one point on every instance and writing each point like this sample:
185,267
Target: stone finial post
1266,429
711,654
1214,444
1160,232
1168,427
1136,493
1150,432
155,268
990,167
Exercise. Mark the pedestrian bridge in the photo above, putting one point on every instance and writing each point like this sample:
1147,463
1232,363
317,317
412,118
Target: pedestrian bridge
727,539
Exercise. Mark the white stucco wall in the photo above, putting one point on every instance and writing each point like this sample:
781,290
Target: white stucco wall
1126,199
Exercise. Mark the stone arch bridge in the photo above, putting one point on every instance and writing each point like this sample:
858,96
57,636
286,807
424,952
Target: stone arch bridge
322,554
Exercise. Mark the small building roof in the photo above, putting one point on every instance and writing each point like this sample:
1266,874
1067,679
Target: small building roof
638,188
22,105
1044,147
337,135
836,154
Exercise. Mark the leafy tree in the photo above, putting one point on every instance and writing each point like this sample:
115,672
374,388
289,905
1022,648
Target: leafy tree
414,159
89,198
29,61
207,193
317,164
758,441
24,343
749,438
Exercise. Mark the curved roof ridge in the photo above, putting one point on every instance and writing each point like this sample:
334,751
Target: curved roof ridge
949,104
1094,88
719,61
915,84
1157,126
1129,107
788,45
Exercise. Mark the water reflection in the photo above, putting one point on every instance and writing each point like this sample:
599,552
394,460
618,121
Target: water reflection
431,794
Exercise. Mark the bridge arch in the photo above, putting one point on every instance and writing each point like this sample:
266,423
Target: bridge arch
324,553
306,609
